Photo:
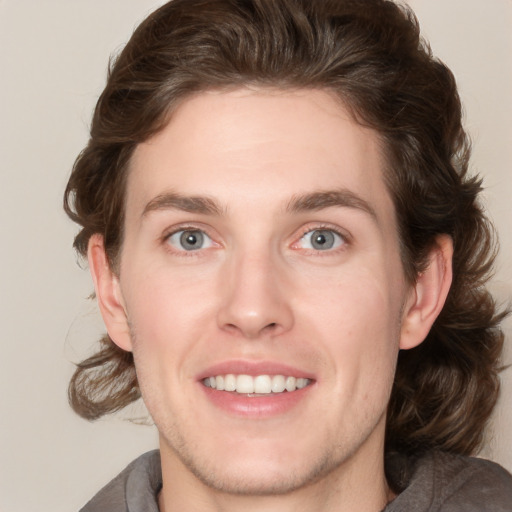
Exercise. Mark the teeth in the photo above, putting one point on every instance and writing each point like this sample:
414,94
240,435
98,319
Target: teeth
290,383
229,382
244,384
301,383
260,385
278,384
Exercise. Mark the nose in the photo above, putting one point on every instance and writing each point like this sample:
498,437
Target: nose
254,297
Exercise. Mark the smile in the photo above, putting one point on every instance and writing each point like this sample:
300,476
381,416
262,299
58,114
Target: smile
260,384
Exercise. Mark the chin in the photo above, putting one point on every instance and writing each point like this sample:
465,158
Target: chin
259,477
254,482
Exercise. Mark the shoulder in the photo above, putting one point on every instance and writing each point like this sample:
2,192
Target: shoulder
133,490
454,483
472,482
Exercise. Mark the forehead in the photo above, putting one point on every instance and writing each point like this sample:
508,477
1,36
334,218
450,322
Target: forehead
245,146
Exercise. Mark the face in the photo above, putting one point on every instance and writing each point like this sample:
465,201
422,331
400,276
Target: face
262,288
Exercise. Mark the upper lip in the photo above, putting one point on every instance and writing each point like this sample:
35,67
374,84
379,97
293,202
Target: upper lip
253,368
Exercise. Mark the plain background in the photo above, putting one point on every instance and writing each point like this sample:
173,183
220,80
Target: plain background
53,58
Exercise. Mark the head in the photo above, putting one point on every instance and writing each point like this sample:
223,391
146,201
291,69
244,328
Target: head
371,63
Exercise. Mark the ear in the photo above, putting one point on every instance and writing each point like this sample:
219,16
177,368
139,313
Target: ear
428,295
108,294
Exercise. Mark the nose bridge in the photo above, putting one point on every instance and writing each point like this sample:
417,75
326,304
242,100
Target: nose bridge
254,298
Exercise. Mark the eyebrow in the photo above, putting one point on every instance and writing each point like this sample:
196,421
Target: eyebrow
329,198
312,201
191,204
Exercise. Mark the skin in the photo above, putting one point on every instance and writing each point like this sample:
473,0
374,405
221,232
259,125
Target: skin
258,292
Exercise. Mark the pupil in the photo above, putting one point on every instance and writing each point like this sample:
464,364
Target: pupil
320,239
191,239
323,240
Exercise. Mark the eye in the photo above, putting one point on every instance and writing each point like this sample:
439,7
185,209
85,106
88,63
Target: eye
321,240
190,240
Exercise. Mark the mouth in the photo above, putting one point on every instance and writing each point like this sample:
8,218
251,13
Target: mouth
256,385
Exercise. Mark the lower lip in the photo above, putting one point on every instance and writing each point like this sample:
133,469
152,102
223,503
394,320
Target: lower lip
260,406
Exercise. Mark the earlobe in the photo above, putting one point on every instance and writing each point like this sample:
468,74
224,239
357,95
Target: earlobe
428,295
108,294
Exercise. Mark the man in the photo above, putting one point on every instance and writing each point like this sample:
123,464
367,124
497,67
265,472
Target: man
290,260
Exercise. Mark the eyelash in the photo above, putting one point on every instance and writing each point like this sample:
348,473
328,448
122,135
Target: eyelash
177,229
345,237
309,229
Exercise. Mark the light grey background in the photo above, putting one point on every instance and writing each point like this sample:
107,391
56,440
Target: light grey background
53,57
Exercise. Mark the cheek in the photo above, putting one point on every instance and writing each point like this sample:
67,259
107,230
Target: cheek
356,301
167,319
167,309
358,320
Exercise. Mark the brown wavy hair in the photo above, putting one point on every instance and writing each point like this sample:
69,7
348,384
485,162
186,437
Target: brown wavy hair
370,54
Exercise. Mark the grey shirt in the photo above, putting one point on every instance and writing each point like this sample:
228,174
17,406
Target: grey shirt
435,482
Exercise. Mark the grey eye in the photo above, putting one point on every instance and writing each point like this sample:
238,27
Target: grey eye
321,240
190,240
